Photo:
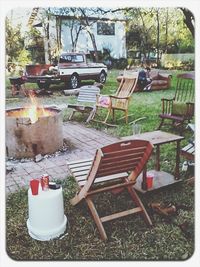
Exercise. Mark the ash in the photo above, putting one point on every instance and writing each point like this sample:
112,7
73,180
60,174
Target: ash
66,148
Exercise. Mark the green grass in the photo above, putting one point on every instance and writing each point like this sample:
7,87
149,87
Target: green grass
128,238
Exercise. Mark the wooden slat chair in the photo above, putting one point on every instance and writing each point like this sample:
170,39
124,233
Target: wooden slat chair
179,109
86,101
114,168
120,101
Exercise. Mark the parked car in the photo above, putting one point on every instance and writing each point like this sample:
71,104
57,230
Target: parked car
72,68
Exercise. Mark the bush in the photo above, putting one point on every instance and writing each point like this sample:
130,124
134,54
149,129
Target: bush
120,63
187,65
179,65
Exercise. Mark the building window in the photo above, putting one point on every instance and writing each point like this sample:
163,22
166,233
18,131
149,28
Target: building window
105,28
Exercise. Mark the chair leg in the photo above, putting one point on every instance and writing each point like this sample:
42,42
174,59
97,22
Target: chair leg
91,115
71,115
75,200
107,116
96,218
137,200
126,116
161,124
113,114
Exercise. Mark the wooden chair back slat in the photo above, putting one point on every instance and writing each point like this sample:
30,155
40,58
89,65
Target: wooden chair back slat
124,158
185,88
113,170
120,153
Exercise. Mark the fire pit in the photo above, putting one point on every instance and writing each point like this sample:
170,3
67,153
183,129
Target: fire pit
32,131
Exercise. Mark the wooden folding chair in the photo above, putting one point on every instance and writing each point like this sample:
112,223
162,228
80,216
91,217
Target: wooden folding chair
115,167
120,101
86,101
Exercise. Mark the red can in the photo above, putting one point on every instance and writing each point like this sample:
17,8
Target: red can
45,182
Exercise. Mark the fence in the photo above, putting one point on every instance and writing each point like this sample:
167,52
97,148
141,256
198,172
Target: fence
178,61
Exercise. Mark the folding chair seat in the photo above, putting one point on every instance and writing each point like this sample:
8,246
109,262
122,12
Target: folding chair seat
114,167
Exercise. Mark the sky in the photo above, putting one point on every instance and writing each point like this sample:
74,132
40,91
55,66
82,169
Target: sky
19,16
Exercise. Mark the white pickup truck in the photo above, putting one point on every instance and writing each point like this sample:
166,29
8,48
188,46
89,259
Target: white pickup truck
72,68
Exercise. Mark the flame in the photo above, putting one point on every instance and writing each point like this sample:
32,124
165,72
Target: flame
32,111
32,114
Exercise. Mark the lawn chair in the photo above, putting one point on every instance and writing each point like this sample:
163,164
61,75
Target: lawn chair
120,101
115,167
86,101
180,108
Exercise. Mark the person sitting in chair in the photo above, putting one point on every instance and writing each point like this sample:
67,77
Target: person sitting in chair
144,80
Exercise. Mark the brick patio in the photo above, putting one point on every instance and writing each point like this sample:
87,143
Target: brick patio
83,141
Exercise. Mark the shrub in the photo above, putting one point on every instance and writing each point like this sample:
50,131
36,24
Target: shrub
120,63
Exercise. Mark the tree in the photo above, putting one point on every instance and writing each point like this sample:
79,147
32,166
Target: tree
14,41
188,20
80,19
17,55
160,30
35,45
75,29
84,19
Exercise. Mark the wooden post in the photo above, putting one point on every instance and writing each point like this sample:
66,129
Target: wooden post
157,163
177,175
144,178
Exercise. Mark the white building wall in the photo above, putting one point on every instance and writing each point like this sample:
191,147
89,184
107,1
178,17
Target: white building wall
116,43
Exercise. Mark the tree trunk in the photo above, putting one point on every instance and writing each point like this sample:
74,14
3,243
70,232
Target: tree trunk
145,46
158,39
189,18
166,30
58,33
88,29
94,46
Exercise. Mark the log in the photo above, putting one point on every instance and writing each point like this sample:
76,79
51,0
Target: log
71,92
99,85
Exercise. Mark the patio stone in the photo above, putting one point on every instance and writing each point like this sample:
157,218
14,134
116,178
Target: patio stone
83,142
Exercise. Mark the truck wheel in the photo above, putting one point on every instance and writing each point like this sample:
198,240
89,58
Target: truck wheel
102,77
74,81
42,85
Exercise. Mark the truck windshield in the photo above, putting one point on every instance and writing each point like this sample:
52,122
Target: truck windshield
71,58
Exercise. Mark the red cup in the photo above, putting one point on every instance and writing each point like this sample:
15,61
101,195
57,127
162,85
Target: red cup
34,184
149,181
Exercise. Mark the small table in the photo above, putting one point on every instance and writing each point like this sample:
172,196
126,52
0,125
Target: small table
161,178
46,214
